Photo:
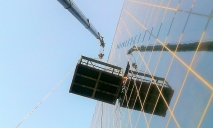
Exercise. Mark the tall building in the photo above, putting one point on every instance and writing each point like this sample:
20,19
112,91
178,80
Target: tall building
164,39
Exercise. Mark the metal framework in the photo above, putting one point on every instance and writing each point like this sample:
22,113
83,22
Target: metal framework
97,80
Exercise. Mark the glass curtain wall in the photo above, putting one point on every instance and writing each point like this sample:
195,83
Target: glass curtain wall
171,39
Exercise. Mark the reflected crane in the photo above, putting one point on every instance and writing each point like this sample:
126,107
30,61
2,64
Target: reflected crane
205,46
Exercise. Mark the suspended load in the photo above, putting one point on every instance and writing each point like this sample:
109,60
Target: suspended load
97,80
135,90
142,93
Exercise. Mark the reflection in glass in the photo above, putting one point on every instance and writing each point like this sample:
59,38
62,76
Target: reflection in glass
206,46
142,92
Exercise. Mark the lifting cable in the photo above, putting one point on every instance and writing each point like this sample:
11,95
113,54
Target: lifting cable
101,51
53,89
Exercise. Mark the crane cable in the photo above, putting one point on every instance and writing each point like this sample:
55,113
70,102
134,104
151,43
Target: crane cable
53,89
101,53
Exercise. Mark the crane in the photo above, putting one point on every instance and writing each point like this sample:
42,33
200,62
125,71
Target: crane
76,12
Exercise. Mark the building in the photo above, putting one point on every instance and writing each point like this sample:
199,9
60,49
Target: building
150,35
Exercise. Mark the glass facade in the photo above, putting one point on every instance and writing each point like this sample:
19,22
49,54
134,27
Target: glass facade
171,39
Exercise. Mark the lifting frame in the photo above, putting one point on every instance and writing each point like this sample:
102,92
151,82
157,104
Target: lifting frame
102,81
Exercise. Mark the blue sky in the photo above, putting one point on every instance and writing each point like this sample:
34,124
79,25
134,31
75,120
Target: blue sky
40,42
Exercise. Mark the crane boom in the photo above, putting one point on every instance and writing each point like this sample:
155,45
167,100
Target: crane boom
75,11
